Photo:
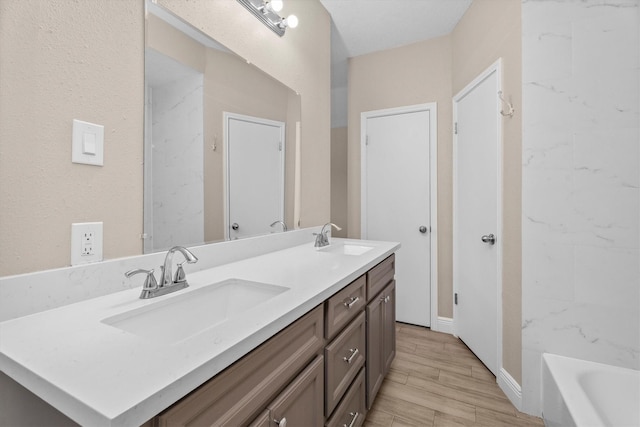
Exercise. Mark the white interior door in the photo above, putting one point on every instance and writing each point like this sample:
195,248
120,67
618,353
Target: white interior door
396,200
477,208
255,175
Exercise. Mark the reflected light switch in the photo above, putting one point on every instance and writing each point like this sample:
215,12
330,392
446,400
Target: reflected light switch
87,143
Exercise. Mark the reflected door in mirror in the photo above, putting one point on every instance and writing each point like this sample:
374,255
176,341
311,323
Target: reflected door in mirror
255,174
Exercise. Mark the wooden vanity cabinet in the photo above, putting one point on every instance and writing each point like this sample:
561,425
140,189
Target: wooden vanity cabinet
353,409
324,369
344,357
300,404
381,328
241,392
344,306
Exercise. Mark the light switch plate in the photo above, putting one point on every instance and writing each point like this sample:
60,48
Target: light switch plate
87,145
86,242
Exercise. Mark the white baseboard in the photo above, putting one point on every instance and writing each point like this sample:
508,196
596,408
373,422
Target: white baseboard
511,388
445,325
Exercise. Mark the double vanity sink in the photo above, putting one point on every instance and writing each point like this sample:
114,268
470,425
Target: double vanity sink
120,360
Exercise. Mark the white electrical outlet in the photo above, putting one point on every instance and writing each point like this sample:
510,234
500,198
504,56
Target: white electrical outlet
86,242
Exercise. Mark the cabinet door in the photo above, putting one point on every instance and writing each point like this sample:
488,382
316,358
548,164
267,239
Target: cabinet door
375,328
389,327
301,403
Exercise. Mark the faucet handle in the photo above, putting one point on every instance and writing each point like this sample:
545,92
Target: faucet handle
150,282
181,276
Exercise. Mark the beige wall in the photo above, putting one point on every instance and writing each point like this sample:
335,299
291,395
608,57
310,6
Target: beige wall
63,59
339,139
300,60
490,30
435,70
414,74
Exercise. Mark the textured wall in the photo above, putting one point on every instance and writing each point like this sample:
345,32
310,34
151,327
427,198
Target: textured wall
62,60
65,59
581,163
339,180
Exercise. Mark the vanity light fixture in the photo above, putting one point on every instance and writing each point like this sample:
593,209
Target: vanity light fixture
267,12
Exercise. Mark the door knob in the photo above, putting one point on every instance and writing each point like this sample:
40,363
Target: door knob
422,229
489,238
235,226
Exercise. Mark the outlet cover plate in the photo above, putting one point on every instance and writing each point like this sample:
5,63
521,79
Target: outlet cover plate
86,242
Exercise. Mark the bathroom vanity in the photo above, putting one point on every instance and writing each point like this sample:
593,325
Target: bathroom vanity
317,364
299,336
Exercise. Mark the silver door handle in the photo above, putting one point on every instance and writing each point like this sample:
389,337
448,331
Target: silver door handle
489,238
423,229
235,226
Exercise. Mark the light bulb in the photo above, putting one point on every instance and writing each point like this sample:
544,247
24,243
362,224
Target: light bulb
276,5
292,21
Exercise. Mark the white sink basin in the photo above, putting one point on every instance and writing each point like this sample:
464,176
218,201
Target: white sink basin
347,248
184,315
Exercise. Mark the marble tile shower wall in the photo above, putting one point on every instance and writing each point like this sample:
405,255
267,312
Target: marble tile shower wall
581,184
177,163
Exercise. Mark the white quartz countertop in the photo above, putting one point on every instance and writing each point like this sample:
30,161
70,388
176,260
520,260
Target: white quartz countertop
98,374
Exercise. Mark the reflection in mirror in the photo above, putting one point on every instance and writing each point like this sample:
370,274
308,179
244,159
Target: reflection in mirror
220,140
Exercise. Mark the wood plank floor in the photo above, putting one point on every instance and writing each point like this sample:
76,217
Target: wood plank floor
435,380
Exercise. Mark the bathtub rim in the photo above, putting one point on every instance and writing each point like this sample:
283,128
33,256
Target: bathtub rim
565,370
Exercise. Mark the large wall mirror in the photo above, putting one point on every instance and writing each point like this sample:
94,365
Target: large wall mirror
221,139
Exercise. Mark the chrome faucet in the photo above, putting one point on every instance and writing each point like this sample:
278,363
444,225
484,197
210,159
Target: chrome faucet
168,284
284,226
181,277
322,238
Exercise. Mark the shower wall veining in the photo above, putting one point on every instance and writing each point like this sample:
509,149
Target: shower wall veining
581,185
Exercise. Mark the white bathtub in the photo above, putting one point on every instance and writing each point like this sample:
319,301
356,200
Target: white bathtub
580,393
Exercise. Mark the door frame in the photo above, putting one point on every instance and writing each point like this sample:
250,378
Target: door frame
432,109
496,68
227,116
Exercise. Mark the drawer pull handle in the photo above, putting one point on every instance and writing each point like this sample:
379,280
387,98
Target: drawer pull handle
353,354
353,420
349,303
282,422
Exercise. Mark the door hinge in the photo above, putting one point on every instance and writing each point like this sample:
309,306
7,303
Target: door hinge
455,128
455,298
366,140
280,146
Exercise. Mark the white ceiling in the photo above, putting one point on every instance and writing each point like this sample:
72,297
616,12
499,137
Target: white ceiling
365,26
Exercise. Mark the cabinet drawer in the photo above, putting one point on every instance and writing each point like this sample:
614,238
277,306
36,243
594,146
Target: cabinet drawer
235,396
343,358
344,306
300,404
352,410
380,275
263,420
